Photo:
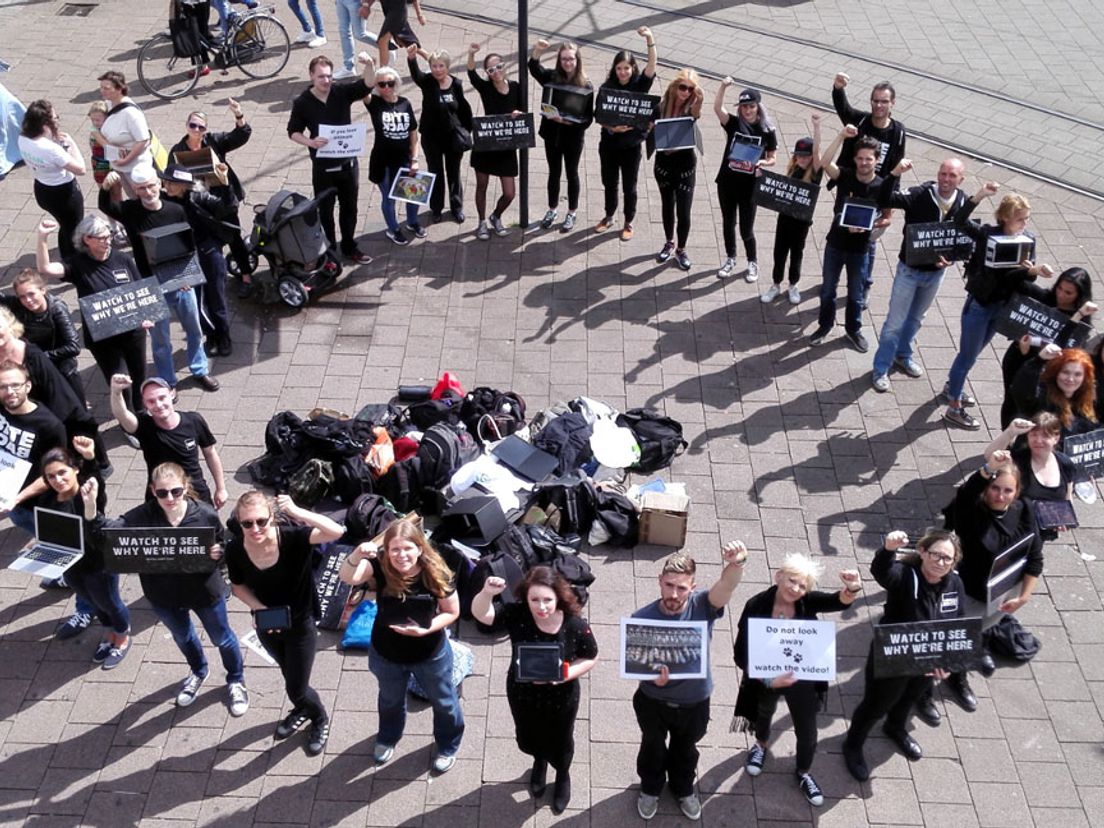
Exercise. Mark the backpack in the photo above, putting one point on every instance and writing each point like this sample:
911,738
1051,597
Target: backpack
311,482
568,501
442,451
333,438
402,485
576,572
561,554
352,478
566,438
659,437
616,520
380,414
369,515
422,415
1009,638
492,414
515,543
463,662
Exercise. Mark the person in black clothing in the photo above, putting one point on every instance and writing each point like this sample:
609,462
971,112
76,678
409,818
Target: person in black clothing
736,178
847,246
500,96
563,139
793,596
395,148
269,565
445,128
920,587
619,146
914,288
328,103
676,170
546,612
174,596
95,267
1061,381
47,323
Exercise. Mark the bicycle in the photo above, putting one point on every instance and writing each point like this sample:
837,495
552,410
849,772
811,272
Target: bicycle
256,42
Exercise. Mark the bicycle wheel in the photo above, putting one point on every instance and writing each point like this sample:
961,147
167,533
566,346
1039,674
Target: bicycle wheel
165,75
260,46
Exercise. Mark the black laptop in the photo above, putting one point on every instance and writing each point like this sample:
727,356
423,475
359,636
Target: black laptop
525,459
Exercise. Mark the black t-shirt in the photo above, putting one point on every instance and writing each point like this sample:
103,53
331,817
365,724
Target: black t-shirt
849,188
392,124
181,445
402,649
739,131
137,220
288,582
308,112
50,388
90,276
29,436
1035,490
641,83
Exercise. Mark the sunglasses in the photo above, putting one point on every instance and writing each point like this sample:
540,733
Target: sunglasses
685,87
498,67
163,494
385,84
200,127
260,523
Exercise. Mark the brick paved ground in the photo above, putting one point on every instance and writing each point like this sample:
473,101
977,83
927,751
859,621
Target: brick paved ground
790,450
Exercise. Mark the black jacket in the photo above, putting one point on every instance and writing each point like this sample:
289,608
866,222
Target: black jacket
1029,393
222,143
52,330
909,596
987,285
437,123
921,206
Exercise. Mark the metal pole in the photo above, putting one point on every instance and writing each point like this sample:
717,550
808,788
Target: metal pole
523,84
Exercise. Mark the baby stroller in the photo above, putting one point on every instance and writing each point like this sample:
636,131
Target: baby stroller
288,233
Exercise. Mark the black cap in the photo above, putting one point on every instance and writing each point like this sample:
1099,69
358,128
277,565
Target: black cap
750,96
803,147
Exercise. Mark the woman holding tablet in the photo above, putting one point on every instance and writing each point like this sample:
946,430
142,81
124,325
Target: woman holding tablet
545,624
417,601
270,572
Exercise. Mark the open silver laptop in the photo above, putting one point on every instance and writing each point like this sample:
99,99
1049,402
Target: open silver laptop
58,544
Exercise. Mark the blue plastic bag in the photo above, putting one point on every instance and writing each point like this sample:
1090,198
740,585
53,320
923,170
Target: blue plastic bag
358,632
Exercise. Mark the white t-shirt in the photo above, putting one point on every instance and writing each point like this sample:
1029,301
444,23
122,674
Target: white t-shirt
46,159
124,129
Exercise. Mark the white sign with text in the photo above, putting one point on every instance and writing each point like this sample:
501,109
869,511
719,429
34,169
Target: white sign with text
780,645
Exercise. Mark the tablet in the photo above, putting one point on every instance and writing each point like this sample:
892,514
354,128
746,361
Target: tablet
273,619
1055,514
674,134
539,662
414,609
858,215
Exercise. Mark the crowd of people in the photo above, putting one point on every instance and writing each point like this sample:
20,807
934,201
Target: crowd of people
1053,391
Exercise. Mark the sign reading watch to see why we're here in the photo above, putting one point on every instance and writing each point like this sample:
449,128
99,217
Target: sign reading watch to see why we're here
782,645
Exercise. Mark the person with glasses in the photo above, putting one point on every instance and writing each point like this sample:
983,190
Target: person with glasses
55,160
619,146
97,266
269,564
166,435
173,596
395,147
920,586
500,96
676,170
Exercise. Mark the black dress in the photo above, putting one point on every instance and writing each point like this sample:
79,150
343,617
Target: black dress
502,163
544,714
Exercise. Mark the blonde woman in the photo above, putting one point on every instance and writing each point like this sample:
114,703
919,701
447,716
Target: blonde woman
676,170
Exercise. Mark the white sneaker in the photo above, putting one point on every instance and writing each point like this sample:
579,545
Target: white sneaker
317,42
344,74
239,698
483,232
304,37
752,272
189,689
727,268
794,295
771,294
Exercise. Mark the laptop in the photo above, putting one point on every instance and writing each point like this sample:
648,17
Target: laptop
674,133
571,103
170,250
1007,572
58,544
525,459
745,152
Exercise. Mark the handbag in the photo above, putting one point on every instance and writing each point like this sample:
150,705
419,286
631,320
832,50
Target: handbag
461,136
358,632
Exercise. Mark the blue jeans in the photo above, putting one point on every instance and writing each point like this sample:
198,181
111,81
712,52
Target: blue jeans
835,260
388,206
912,294
101,590
312,7
979,323
183,304
214,620
435,676
350,25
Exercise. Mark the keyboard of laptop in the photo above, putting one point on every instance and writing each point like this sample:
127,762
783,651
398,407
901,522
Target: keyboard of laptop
48,556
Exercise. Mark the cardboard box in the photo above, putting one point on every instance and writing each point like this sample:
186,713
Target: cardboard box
201,164
663,519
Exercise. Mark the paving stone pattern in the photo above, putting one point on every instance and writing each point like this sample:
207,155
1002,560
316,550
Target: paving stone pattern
790,449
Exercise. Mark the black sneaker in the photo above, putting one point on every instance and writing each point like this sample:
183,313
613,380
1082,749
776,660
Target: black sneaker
858,341
458,216
957,416
665,252
77,623
754,763
397,237
419,230
291,723
682,260
820,334
319,735
810,788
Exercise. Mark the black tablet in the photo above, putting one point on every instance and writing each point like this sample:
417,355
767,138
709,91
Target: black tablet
539,662
273,619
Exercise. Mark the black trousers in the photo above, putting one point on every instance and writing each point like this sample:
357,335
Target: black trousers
889,697
738,203
65,203
669,739
801,699
444,163
216,320
346,181
294,651
620,164
676,196
789,241
123,353
561,157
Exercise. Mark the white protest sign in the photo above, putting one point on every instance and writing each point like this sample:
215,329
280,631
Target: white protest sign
342,141
13,473
780,645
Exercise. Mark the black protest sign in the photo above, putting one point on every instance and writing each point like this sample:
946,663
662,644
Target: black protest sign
503,132
1024,316
159,550
789,196
1086,451
618,108
926,242
331,591
123,308
917,648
